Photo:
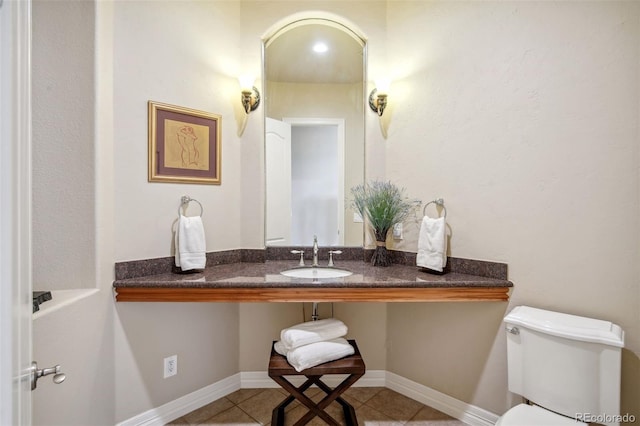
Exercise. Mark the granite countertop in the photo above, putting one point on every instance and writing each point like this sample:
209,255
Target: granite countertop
267,274
252,282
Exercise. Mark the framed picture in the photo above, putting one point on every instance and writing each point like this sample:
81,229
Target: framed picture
184,145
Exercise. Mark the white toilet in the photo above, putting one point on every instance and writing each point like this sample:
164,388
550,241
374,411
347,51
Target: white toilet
568,366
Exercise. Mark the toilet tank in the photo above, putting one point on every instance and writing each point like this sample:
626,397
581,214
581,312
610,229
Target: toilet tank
565,363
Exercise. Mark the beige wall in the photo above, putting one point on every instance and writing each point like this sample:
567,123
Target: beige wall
63,153
204,336
525,119
68,251
184,54
96,65
526,123
79,338
523,116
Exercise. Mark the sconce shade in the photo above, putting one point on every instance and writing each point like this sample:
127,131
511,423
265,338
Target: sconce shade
246,82
383,85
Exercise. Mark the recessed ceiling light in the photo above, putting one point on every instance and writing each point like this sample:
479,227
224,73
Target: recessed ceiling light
320,47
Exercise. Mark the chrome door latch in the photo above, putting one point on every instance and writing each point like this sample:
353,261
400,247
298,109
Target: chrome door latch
36,373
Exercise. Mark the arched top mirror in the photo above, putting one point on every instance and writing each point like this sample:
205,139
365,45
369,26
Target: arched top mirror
314,84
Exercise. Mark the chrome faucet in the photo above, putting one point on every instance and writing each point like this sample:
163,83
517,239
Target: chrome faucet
315,251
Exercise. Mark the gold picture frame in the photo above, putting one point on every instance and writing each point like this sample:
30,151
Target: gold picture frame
184,145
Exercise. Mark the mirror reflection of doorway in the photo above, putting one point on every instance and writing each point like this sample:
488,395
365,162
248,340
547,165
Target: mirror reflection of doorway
302,82
315,182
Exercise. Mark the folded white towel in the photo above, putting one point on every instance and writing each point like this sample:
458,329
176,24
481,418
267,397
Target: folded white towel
311,332
190,243
313,354
432,244
280,348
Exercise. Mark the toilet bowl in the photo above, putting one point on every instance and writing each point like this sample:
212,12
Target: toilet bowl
567,366
532,415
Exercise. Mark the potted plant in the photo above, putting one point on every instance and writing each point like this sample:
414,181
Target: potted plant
383,204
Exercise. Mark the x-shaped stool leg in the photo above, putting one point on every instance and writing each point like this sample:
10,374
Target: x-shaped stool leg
316,409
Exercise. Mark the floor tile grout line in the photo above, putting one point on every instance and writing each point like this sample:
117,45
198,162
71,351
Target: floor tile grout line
248,414
372,396
261,391
217,414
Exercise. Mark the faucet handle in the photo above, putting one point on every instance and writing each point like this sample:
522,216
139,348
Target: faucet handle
301,253
331,253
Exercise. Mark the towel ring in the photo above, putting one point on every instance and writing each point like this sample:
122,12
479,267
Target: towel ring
439,202
186,200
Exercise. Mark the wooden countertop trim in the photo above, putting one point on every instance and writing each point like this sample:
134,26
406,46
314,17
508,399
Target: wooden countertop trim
266,294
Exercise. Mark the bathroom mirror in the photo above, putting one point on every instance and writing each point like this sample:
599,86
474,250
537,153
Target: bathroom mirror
314,81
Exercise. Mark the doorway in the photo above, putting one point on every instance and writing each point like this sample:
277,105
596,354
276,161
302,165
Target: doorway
315,180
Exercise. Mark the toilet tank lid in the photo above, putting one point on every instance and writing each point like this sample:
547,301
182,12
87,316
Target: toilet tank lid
567,326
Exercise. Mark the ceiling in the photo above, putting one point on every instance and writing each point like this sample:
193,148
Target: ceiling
290,56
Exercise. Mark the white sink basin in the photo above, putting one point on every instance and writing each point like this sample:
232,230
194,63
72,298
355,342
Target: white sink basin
317,272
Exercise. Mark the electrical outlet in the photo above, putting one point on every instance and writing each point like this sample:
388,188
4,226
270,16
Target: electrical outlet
170,366
397,231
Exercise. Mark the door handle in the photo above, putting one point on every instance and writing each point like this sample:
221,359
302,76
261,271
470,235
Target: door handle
36,373
513,330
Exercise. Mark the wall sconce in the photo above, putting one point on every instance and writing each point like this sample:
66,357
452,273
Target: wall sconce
378,97
250,95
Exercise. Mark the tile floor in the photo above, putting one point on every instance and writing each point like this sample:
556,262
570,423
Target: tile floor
374,406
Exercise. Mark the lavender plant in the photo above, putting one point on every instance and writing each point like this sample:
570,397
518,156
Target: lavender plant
383,204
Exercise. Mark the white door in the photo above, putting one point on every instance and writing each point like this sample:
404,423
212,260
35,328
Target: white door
317,171
15,213
278,182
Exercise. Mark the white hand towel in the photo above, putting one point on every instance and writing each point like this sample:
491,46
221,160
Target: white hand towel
432,244
190,243
312,332
308,356
280,348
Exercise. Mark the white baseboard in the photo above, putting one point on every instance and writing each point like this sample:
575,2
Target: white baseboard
467,413
185,404
462,411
